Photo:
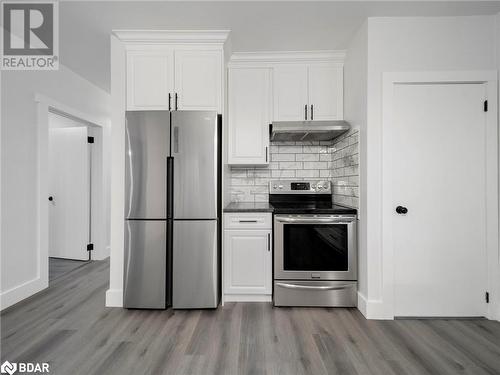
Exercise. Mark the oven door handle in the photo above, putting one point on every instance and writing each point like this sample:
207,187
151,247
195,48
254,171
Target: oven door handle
312,221
318,287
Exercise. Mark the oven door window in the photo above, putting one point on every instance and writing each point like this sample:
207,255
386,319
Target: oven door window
315,247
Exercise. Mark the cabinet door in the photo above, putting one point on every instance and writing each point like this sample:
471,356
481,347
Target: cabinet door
198,80
150,77
289,92
248,114
326,92
247,262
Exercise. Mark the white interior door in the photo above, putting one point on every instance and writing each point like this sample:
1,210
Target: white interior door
69,187
439,162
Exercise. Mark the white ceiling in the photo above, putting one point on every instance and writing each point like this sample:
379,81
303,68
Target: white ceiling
255,26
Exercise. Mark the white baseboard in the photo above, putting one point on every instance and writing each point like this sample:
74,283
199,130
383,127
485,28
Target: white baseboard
362,304
247,298
17,294
114,298
372,309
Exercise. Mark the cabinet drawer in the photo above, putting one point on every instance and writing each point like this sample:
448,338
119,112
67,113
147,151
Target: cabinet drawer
248,220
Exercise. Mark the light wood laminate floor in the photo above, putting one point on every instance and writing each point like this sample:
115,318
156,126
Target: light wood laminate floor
68,326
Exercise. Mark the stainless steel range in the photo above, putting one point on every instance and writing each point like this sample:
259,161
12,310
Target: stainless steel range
315,252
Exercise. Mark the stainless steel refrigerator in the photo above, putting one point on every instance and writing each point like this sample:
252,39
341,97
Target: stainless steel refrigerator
172,209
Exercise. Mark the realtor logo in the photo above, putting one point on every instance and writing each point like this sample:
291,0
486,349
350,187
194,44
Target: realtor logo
8,368
30,35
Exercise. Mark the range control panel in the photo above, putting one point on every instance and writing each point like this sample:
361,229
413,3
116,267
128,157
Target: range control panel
299,187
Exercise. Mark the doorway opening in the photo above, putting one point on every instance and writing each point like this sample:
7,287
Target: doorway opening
74,164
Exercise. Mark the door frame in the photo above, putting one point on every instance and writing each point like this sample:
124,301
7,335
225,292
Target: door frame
489,78
44,106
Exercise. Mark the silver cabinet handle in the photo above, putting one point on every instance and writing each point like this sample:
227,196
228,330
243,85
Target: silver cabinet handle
316,220
169,100
247,221
305,112
269,242
267,153
176,99
318,287
312,112
176,139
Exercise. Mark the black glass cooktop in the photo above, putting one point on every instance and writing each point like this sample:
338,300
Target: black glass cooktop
307,204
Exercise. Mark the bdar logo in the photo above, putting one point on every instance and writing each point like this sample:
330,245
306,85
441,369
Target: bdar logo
8,368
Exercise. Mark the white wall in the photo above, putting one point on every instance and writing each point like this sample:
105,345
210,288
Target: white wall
20,276
114,295
355,108
497,299
409,44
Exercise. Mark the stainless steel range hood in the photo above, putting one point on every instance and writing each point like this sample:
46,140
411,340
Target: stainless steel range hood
307,130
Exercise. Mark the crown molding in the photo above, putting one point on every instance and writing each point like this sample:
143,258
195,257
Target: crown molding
280,57
172,36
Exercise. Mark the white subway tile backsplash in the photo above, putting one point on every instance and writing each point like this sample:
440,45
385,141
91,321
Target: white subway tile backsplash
345,169
259,173
324,157
261,197
274,165
307,157
337,162
283,173
283,157
242,181
290,165
261,181
289,149
308,173
315,165
325,173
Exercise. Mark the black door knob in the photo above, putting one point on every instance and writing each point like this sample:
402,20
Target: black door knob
51,198
401,210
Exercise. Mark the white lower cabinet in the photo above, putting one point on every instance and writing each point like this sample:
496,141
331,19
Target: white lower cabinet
248,260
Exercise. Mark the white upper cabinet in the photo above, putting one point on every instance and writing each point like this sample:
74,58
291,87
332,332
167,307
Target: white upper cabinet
325,91
279,86
174,69
150,79
309,91
290,92
198,80
249,115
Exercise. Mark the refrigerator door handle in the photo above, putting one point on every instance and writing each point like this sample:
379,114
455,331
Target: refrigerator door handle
176,139
170,187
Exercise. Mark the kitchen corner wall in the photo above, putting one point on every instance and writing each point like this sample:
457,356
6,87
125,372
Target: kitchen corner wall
345,169
335,161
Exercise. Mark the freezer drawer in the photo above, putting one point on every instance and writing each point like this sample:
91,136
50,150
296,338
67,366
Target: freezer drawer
195,155
147,148
315,293
145,266
195,265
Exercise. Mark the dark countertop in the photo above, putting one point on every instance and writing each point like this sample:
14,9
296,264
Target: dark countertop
248,207
333,209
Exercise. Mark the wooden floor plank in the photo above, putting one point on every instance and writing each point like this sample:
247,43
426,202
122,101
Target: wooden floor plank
69,326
